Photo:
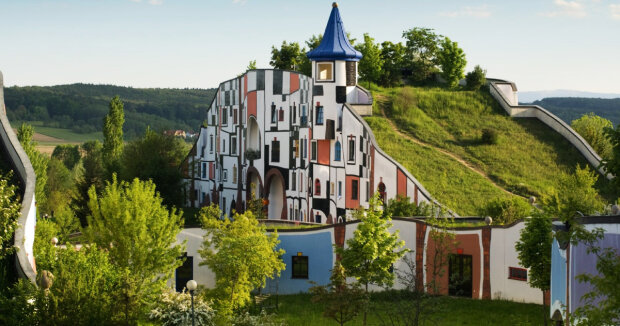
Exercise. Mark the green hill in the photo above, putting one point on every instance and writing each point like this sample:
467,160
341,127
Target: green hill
80,108
571,108
441,132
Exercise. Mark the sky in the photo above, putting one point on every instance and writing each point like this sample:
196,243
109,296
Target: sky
540,45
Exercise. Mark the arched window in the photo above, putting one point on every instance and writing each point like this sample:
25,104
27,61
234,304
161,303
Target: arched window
338,151
382,192
317,187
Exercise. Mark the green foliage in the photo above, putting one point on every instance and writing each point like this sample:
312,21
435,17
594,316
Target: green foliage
69,155
370,64
156,157
421,50
371,252
402,206
262,319
9,213
476,78
452,61
129,221
175,309
60,186
572,108
113,134
25,134
341,301
287,57
43,248
80,108
251,65
444,243
505,210
612,164
393,58
93,176
592,128
489,137
305,66
241,254
575,196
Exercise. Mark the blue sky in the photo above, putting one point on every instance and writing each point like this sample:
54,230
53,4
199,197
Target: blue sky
541,45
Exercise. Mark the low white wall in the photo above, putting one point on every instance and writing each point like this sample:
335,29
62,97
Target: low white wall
24,234
506,95
202,274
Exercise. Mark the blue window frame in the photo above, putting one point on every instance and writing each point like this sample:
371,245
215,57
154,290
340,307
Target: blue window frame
319,115
338,151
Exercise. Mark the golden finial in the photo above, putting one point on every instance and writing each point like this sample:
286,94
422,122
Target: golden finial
335,5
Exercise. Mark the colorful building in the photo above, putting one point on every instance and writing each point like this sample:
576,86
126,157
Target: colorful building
299,142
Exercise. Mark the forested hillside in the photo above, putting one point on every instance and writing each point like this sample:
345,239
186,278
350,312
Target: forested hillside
571,108
81,107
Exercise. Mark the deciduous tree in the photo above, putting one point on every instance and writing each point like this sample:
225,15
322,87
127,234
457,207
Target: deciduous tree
421,48
393,58
452,61
592,128
371,63
286,57
113,134
476,78
25,134
9,212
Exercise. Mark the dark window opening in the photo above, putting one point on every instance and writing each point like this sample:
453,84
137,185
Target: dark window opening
460,275
300,267
317,187
274,116
275,151
354,189
313,157
516,273
351,149
184,272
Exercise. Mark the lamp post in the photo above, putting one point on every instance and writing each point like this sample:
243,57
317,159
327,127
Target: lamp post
191,286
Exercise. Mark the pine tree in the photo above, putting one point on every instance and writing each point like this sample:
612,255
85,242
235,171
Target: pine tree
113,134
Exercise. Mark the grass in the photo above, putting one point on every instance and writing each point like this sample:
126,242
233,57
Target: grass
299,310
64,135
527,160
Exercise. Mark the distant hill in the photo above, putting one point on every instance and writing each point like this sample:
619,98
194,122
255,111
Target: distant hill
571,108
529,97
81,107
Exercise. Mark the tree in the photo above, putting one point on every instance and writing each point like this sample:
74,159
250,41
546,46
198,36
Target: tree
393,58
68,154
241,254
60,186
129,221
251,65
370,64
421,48
612,164
444,243
476,78
592,128
113,134
506,210
25,134
452,61
305,66
93,175
403,206
341,301
9,212
373,250
534,250
287,57
156,157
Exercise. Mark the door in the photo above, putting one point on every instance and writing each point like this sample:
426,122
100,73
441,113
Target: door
460,275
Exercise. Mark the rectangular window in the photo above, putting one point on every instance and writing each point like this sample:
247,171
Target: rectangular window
319,115
234,174
519,274
281,115
326,71
367,190
294,182
211,144
233,145
304,117
235,116
225,178
313,157
274,113
300,267
224,116
296,148
213,120
339,188
354,189
351,149
203,170
361,144
275,151
304,144
223,145
184,272
294,114
332,188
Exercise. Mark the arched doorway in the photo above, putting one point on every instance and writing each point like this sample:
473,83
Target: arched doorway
253,183
276,195
253,139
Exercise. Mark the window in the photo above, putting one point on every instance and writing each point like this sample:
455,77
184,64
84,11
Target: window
296,148
234,174
332,188
319,115
361,144
235,116
213,120
519,274
233,145
313,157
326,71
281,115
354,189
317,187
224,116
294,113
351,149
367,190
223,146
337,151
300,267
275,151
274,113
294,181
225,177
339,188
304,144
203,170
304,116
211,144
184,272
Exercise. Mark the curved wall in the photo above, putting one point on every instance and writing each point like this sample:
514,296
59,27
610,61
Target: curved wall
24,234
505,93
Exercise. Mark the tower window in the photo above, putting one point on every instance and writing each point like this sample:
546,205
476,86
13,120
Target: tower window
337,151
325,71
319,115
275,151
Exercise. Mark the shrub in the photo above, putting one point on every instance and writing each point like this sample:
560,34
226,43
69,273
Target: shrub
264,319
506,210
489,136
476,78
175,308
403,206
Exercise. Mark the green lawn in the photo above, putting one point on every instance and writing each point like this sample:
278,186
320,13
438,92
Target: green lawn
527,160
67,135
298,310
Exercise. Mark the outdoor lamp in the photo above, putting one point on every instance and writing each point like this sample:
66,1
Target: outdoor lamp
191,286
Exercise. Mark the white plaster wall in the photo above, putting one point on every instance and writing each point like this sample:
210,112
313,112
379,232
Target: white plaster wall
202,274
386,170
504,255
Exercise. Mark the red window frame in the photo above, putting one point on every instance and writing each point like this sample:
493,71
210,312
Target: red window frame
515,273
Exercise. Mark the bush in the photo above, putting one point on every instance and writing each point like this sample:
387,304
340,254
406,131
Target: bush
476,78
506,210
175,308
245,319
402,206
489,136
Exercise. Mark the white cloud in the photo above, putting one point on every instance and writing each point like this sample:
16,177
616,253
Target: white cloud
477,12
615,11
567,8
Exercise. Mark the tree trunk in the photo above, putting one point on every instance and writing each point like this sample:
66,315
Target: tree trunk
545,313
